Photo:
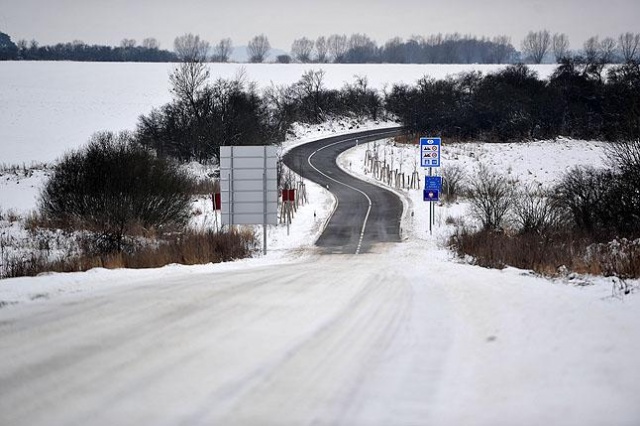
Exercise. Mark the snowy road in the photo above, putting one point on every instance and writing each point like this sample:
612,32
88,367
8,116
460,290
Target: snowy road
397,335
365,214
374,339
280,345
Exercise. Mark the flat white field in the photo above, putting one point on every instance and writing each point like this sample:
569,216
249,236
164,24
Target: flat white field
47,108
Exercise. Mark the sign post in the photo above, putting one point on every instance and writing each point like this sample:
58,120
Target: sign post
248,186
430,158
430,152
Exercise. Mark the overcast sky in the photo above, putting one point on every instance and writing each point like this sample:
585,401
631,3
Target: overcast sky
109,21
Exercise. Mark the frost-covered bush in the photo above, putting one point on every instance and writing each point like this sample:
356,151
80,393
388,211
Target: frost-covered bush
453,179
114,185
620,258
491,198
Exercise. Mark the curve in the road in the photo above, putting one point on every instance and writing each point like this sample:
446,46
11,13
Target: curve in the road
365,214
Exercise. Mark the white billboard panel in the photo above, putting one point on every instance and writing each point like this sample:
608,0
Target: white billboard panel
248,185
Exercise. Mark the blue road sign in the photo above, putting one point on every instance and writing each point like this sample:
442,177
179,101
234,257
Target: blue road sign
430,152
431,195
433,183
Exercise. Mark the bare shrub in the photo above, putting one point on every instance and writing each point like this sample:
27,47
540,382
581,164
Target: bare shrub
12,216
28,265
619,258
580,191
624,192
453,179
605,203
194,247
205,187
535,211
547,253
113,186
490,195
189,248
625,156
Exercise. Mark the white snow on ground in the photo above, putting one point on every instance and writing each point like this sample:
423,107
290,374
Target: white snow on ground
20,189
47,108
406,335
537,162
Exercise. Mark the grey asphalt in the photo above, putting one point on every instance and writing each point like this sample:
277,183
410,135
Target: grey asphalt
344,234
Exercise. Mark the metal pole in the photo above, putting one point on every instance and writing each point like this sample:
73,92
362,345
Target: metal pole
264,202
230,212
231,197
430,207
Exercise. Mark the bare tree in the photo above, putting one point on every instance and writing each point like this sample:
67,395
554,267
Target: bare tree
536,45
190,77
321,49
359,40
258,48
361,49
337,46
501,49
150,43
607,50
128,43
451,51
560,46
22,44
592,49
190,48
393,51
629,44
302,48
223,50
310,91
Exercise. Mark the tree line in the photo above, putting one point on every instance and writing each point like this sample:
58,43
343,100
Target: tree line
128,51
205,114
536,47
579,100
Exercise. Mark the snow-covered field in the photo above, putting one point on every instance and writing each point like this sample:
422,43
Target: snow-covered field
540,163
408,335
47,108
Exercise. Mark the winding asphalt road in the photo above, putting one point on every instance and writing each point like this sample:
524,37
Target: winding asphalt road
366,214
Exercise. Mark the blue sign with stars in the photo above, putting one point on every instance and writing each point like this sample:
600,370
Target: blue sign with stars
433,183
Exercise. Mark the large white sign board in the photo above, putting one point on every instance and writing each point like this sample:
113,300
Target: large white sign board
249,185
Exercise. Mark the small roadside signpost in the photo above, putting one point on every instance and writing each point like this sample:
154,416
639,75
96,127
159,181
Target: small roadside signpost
430,158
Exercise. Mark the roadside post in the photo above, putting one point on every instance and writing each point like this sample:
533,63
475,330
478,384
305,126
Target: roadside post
430,158
248,186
